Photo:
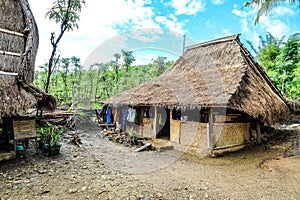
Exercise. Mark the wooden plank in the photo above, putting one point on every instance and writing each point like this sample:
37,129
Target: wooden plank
143,147
7,155
24,129
106,124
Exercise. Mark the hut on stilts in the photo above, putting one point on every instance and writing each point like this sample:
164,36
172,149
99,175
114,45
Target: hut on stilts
214,99
18,48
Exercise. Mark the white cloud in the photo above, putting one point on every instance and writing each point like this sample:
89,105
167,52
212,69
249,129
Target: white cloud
217,2
275,27
187,7
243,12
245,26
98,22
226,32
280,11
171,24
272,23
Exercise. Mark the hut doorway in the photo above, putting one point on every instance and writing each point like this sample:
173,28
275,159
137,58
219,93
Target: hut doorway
163,123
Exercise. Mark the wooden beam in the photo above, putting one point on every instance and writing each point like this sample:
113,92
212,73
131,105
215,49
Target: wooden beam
210,134
155,121
258,131
148,145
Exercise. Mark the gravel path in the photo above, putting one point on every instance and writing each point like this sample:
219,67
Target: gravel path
101,169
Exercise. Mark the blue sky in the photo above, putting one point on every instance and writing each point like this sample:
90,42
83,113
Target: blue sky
156,27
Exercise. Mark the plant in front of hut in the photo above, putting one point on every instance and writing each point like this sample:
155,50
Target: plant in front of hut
132,136
48,137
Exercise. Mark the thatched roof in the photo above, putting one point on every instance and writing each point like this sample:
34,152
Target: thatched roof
18,48
216,73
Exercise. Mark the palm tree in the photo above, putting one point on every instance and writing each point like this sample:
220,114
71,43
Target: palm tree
266,6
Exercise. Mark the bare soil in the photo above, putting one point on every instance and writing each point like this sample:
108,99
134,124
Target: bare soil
101,169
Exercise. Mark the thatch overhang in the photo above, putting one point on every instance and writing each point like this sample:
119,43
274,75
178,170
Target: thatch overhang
211,74
18,48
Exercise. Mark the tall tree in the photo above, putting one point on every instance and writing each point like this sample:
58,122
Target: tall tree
160,61
266,6
65,13
128,60
76,81
65,64
116,67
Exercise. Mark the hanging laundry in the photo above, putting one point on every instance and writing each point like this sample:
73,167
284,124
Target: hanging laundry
160,119
123,119
131,114
137,116
108,115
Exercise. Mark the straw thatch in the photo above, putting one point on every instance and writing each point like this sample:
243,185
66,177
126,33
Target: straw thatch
18,48
215,73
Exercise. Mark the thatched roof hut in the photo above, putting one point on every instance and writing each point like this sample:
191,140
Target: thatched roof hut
218,73
19,43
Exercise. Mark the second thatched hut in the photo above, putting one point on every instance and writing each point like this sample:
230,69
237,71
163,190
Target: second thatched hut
213,99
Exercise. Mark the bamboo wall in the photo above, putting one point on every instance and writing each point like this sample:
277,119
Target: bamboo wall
231,134
147,128
189,133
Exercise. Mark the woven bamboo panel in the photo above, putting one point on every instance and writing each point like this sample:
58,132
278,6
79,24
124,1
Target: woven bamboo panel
188,132
147,127
175,131
200,139
228,134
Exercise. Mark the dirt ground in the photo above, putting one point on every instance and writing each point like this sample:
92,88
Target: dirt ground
101,169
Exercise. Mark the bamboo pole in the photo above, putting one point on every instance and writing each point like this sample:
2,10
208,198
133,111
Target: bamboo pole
10,53
8,73
2,30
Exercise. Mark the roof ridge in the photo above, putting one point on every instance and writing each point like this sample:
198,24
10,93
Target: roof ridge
211,42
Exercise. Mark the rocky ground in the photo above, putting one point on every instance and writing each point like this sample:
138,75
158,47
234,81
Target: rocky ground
102,169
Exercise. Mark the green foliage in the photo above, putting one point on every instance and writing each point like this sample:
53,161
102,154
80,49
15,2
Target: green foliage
72,85
49,134
132,136
281,61
66,13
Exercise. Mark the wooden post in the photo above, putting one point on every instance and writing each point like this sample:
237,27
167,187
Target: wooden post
155,121
140,120
210,137
258,132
